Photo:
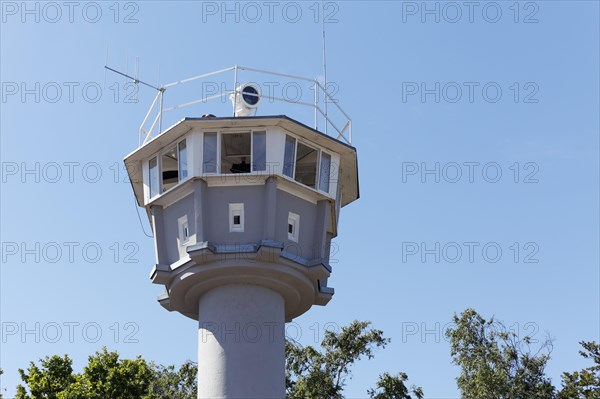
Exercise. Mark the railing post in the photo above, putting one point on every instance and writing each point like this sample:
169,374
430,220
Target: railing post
316,103
350,127
162,93
235,76
325,96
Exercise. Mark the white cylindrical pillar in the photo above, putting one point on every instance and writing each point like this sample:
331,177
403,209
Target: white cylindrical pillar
241,345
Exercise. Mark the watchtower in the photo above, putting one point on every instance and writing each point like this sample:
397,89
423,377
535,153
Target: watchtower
243,211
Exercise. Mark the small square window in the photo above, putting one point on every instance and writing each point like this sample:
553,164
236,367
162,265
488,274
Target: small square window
293,226
184,230
236,218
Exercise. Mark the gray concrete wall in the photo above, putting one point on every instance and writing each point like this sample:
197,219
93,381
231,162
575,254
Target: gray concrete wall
262,220
216,214
308,212
171,214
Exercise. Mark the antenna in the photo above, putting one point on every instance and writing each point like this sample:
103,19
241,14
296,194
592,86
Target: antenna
136,75
158,77
135,80
105,63
324,62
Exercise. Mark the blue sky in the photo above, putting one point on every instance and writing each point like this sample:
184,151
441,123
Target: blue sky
404,72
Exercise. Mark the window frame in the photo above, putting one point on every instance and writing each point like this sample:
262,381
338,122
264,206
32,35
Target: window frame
236,209
219,150
187,168
330,155
317,174
160,175
184,227
252,160
320,152
159,165
294,221
158,179
217,153
293,176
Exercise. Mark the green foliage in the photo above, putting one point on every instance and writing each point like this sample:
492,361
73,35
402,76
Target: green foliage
1,372
494,363
47,382
392,387
106,376
174,384
584,384
311,373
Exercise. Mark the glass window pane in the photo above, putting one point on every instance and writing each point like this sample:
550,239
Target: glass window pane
324,172
209,154
153,177
170,169
183,167
288,159
306,165
235,152
259,151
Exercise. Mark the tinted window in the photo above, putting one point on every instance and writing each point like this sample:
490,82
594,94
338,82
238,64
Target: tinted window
209,154
259,151
153,176
306,165
235,153
325,172
288,161
170,169
183,167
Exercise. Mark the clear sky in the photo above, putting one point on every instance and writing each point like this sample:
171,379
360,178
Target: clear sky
463,90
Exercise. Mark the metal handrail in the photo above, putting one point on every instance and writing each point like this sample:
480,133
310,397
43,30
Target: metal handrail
147,133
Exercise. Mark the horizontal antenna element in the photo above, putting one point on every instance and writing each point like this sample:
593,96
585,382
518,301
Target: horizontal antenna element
135,80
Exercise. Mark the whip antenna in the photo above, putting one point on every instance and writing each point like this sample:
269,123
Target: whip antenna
324,62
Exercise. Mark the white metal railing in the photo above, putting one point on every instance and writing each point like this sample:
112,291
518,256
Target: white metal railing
158,105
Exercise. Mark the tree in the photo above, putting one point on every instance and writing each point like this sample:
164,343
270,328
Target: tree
1,372
53,377
584,384
105,376
495,363
174,384
311,373
392,387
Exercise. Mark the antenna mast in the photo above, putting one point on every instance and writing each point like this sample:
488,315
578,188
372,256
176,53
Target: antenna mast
324,62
